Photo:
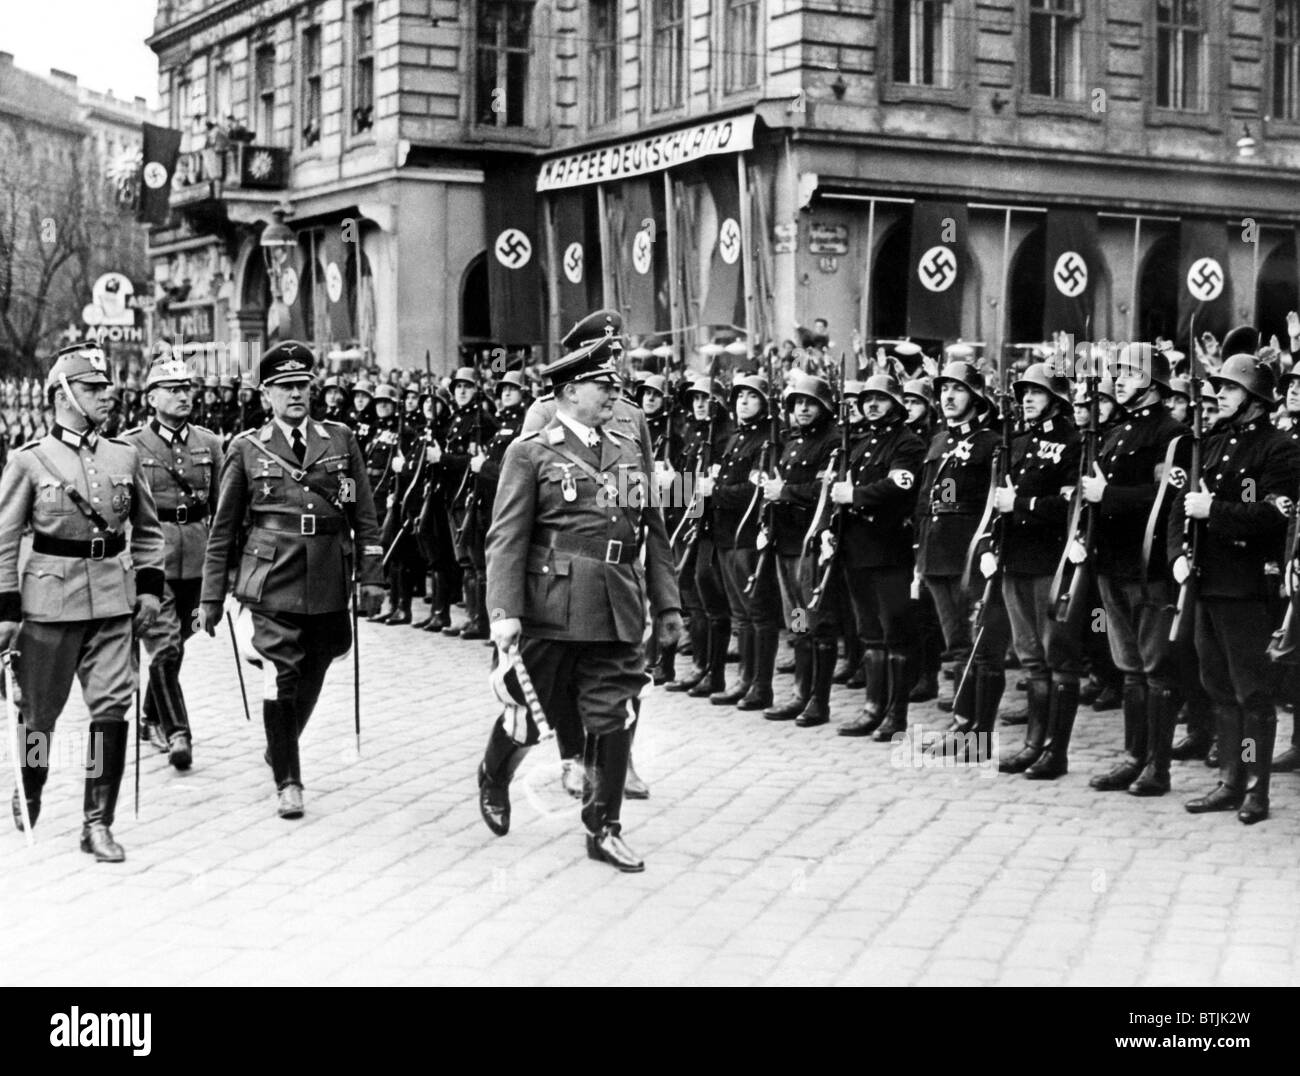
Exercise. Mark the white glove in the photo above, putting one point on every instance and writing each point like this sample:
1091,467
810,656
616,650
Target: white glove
1182,569
1076,551
988,565
705,486
398,463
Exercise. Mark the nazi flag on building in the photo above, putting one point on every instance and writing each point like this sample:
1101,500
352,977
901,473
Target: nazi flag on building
513,253
936,278
1071,269
1204,290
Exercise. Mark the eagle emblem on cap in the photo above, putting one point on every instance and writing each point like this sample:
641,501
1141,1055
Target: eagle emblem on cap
292,364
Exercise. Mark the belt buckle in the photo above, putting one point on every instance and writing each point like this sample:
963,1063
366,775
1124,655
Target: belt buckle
307,524
182,513
613,555
97,551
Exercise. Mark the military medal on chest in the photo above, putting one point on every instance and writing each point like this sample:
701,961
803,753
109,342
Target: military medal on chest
569,487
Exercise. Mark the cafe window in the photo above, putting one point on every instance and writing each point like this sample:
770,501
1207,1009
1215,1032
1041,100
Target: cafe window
602,63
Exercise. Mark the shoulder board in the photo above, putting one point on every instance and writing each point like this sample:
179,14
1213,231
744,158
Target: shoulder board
333,422
243,435
319,427
29,446
619,435
555,435
133,429
118,441
265,433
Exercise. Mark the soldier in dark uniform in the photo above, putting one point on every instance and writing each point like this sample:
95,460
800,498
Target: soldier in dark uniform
433,528
922,420
302,487
878,497
81,592
384,464
802,485
229,409
361,418
650,394
251,415
1251,478
918,395
1044,462
335,410
1136,594
512,407
182,463
564,585
738,514
468,434
133,409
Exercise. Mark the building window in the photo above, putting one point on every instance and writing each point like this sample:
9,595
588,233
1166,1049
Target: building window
668,54
1180,55
1055,48
264,93
923,42
602,97
1286,60
363,67
740,44
181,99
222,92
504,47
311,85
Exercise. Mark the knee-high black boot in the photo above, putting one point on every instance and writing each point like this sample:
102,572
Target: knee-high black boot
1228,794
817,710
875,664
759,695
500,761
400,597
715,678
803,671
476,626
732,695
174,718
1038,696
105,764
281,724
698,630
1261,729
1162,720
606,758
1135,739
901,681
1062,708
35,769
440,585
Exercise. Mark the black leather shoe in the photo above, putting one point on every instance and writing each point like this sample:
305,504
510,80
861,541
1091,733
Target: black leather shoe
402,616
1288,761
1117,779
493,803
154,734
1254,808
1048,767
889,728
862,725
926,689
1193,745
756,698
1222,798
437,622
788,711
290,802
420,625
1149,783
608,847
473,633
729,698
451,630
688,681
97,839
181,754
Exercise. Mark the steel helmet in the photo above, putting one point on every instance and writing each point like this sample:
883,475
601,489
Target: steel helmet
815,388
968,376
387,392
921,388
886,384
1039,375
754,382
1251,374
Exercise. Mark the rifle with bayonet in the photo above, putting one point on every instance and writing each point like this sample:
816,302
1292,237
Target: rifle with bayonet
769,469
832,536
688,530
1187,589
1070,584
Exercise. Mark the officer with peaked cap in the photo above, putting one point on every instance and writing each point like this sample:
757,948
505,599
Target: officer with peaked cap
83,590
564,585
182,463
302,487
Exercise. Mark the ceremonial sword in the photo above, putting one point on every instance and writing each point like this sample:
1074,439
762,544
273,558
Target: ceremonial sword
19,746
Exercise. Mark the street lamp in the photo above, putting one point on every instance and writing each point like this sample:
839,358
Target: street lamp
277,242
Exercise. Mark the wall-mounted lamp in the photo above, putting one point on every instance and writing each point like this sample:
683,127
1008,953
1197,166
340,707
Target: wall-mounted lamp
999,102
839,86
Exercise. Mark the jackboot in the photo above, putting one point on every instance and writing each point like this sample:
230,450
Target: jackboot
817,711
990,684
665,668
845,671
1118,778
173,715
875,663
900,678
1261,729
476,626
714,680
1229,793
151,727
440,586
34,776
1038,697
500,761
1162,718
468,587
1062,708
1289,760
105,764
1200,726
737,691
759,695
281,724
803,673
698,632
606,760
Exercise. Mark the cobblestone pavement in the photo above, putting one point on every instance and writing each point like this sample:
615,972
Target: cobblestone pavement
774,855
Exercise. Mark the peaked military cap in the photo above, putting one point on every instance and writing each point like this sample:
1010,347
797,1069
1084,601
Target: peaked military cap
287,361
84,362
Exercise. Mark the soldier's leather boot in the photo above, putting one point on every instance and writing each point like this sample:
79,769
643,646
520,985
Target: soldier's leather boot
1037,697
900,678
606,759
665,670
803,671
281,724
476,622
1118,778
875,663
151,728
759,695
441,603
1228,794
732,695
500,761
1289,760
990,683
698,631
634,788
105,764
714,680
173,715
817,710
1261,730
1162,718
1200,734
35,769
1062,708
846,670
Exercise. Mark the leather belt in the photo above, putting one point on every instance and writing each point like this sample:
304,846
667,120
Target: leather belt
298,524
183,513
612,551
943,508
96,549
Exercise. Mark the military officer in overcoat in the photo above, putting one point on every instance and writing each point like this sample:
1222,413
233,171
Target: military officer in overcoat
182,463
565,582
84,589
301,488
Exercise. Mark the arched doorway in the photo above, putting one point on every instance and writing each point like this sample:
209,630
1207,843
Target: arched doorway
475,309
889,284
1276,292
1025,296
1158,291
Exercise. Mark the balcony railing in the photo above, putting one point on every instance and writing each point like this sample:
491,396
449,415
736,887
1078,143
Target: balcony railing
210,173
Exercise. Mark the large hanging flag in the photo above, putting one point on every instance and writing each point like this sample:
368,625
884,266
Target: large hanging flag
1204,290
338,294
724,297
577,258
1071,270
161,148
642,234
295,290
937,274
514,253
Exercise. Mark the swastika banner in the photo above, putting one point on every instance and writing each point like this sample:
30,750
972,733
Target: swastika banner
936,279
724,302
642,254
577,254
514,252
1204,287
1070,272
